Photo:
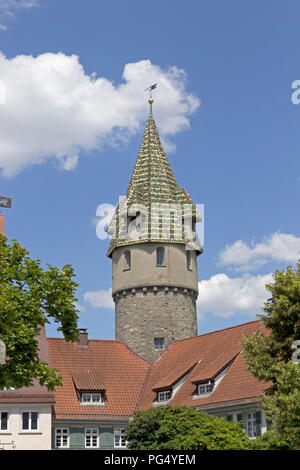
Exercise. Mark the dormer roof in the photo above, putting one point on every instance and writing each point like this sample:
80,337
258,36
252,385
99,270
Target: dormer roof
206,356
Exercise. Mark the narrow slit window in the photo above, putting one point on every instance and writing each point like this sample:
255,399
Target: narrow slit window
189,260
127,260
160,256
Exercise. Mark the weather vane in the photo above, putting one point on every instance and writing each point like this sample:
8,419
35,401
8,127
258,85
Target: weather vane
150,88
5,201
150,100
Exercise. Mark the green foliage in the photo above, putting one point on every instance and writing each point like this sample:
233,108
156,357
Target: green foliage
183,428
270,356
271,440
29,297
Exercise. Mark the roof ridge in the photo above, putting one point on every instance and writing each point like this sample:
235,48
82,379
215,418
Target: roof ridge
134,353
216,331
95,339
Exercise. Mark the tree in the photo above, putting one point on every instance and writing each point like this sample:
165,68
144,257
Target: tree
269,355
183,428
29,297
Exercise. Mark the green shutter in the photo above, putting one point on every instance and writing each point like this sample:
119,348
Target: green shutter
106,438
229,417
258,422
77,438
53,438
269,423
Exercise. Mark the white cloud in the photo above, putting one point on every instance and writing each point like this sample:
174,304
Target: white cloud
282,247
100,298
9,7
224,296
55,110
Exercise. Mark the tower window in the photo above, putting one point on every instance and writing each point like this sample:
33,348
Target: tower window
127,260
160,256
189,260
159,343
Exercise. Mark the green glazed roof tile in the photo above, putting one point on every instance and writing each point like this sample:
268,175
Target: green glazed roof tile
152,183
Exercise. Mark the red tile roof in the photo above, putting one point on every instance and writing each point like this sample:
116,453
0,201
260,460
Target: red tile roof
204,356
35,393
2,231
88,380
105,364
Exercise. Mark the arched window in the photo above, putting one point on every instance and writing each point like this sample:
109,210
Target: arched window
160,256
127,260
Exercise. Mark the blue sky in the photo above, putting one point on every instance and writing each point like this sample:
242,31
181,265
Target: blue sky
72,115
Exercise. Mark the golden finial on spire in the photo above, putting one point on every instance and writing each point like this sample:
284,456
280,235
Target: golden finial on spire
150,100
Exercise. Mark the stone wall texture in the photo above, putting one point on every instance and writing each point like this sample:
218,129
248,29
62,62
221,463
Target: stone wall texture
145,313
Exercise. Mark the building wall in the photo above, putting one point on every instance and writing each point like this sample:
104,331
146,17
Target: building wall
144,271
27,440
77,433
260,423
166,312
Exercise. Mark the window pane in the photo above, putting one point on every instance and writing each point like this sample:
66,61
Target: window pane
25,423
123,442
4,420
34,417
188,259
127,260
61,437
160,256
159,343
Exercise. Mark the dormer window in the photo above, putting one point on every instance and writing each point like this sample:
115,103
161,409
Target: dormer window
92,398
164,396
205,388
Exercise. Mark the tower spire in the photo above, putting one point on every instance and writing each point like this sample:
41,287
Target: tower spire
150,100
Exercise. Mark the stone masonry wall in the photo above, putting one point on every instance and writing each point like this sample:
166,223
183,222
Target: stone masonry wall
143,314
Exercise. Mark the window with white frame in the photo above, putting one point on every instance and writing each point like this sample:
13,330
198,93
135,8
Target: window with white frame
120,440
91,437
250,424
90,398
205,388
29,421
3,421
61,437
164,396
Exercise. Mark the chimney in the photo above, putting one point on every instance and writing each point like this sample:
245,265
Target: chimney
2,231
83,338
